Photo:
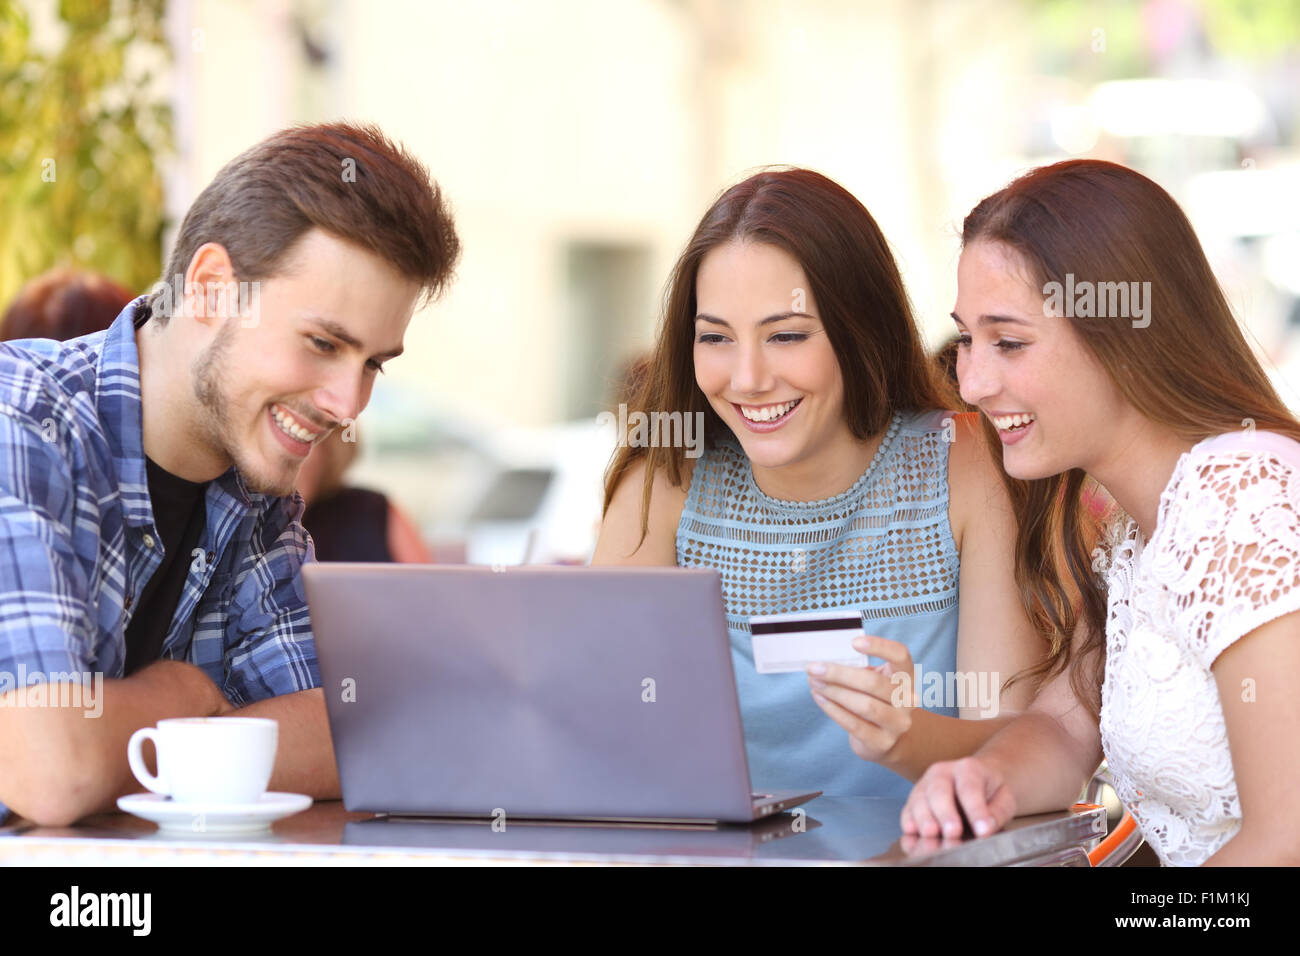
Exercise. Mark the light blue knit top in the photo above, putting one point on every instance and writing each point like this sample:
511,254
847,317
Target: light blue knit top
883,547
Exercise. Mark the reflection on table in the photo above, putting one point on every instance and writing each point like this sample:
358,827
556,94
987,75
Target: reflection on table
828,830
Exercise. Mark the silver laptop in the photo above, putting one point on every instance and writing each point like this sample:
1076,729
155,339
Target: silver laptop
533,692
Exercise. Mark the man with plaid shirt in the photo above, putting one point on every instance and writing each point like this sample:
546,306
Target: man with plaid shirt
150,536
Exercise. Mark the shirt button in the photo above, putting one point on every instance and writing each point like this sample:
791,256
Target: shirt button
128,602
148,541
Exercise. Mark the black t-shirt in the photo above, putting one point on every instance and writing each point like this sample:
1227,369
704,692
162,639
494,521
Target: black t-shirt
179,517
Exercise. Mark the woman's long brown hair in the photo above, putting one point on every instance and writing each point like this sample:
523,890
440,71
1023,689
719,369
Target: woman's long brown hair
1189,369
855,283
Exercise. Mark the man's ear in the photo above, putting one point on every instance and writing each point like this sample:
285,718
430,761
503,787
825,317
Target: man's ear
210,290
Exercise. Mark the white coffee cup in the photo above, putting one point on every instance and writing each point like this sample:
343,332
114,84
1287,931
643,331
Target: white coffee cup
226,760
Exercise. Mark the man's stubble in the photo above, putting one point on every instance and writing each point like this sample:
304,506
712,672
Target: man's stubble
209,373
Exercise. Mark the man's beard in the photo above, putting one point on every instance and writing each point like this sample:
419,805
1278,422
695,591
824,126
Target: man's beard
209,377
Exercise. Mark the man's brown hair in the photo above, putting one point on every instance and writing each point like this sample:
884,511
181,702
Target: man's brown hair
348,180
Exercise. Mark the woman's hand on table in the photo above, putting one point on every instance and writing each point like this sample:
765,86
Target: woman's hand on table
872,703
932,808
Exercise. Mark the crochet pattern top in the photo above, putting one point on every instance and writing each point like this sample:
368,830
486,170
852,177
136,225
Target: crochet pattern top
883,547
1224,559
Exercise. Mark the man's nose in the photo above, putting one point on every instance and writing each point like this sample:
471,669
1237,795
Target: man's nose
344,396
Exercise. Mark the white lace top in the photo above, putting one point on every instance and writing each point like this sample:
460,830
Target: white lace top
1223,560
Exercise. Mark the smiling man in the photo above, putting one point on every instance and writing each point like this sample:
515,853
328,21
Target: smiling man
150,534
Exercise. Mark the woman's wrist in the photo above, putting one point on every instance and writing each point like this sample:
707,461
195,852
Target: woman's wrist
905,757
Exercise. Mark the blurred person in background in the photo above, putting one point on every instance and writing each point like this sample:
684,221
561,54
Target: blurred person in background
353,524
832,475
63,304
1178,659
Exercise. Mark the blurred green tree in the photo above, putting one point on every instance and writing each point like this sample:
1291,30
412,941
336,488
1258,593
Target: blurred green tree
1255,29
1067,33
83,124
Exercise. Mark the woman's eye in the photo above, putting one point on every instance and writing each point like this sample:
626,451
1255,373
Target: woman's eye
376,367
322,344
789,337
710,338
1005,345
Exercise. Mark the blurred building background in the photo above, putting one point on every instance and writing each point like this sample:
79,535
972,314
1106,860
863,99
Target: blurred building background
580,141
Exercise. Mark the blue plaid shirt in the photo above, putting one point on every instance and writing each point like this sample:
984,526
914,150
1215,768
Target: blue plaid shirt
78,542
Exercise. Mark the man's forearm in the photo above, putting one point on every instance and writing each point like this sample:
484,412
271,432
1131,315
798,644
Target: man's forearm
304,759
58,764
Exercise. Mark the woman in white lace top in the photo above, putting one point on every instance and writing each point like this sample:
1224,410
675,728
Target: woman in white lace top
1099,346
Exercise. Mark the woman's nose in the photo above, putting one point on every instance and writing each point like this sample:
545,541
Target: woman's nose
974,379
750,375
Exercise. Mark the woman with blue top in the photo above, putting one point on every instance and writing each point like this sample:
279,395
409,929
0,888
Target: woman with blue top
830,477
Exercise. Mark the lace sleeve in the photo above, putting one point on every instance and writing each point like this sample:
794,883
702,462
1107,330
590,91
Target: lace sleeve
1231,556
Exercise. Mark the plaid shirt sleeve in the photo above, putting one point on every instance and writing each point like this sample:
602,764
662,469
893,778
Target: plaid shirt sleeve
269,639
44,620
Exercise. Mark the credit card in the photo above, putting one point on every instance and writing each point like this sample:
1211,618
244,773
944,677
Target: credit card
784,643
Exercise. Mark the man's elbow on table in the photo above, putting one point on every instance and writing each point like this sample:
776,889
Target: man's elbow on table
50,777
54,803
51,771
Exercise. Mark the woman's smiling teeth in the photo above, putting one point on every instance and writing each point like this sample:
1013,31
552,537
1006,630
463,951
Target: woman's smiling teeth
291,427
767,413
1008,422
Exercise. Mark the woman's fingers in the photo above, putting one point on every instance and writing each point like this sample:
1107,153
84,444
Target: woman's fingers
895,654
917,819
971,783
869,722
866,707
871,703
987,802
944,820
1001,808
898,667
868,702
947,789
864,680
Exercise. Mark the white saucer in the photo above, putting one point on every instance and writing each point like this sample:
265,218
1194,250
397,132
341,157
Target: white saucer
204,819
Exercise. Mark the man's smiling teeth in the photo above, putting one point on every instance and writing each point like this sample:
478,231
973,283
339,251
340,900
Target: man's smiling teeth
289,425
767,413
1005,422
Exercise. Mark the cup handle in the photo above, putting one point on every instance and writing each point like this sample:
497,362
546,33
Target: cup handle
135,757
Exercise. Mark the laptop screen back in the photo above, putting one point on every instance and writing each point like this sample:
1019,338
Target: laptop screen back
534,691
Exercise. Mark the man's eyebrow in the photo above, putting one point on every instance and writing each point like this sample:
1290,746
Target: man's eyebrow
771,318
330,327
994,320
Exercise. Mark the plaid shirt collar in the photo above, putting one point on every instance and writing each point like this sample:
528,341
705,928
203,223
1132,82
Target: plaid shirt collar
117,385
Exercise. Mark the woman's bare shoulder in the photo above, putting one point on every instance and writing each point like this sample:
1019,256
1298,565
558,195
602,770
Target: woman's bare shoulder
975,482
620,540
